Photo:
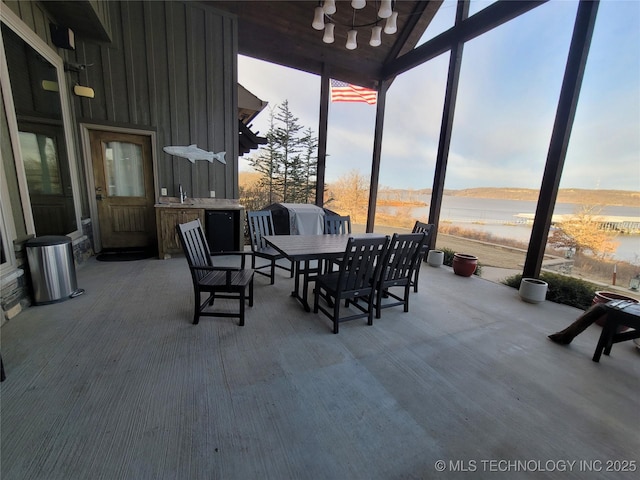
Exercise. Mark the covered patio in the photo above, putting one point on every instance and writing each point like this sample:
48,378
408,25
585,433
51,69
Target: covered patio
117,383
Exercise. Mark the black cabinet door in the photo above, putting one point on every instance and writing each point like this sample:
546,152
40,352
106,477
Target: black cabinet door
222,227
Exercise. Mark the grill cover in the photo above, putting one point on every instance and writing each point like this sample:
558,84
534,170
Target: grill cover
297,218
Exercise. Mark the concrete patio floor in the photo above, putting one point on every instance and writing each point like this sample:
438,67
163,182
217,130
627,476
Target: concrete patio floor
118,384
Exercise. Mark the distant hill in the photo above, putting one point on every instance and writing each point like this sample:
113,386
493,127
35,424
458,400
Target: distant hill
623,198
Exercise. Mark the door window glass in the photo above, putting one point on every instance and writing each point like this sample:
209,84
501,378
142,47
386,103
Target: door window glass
124,169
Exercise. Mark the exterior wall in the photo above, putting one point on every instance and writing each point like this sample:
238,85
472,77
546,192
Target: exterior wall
170,68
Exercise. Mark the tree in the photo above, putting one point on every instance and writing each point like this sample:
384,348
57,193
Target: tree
349,195
581,232
287,164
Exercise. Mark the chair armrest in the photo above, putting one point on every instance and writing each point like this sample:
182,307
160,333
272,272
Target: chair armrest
218,269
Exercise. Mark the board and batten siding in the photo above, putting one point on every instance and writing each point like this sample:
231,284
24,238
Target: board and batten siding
171,68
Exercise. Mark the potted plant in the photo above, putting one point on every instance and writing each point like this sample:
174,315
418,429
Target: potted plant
533,290
464,264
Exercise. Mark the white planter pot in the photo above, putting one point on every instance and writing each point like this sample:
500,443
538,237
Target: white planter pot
435,258
533,290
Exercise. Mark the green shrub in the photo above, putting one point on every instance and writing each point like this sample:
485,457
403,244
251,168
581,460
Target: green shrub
562,289
448,260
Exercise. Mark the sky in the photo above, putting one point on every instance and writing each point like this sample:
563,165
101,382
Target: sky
507,98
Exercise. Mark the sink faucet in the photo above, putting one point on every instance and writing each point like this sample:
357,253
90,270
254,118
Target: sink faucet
183,194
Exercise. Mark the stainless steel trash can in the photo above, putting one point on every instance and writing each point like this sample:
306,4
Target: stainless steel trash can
53,272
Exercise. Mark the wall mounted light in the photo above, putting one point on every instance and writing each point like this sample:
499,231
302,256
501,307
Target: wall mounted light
81,91
62,37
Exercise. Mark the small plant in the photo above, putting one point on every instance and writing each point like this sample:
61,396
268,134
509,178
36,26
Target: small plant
562,289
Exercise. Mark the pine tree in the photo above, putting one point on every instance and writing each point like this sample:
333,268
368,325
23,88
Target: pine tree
287,164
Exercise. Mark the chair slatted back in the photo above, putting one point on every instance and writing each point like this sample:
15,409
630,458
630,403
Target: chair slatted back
260,224
402,256
426,228
360,266
195,247
336,224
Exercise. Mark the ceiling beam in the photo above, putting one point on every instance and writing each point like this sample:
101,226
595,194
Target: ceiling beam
487,19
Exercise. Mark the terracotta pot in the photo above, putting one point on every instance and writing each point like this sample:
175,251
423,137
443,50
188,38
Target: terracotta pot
604,297
533,290
435,258
464,264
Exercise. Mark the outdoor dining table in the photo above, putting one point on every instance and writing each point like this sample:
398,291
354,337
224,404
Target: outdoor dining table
301,250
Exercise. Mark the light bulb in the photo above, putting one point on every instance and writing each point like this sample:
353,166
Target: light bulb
318,19
329,7
391,26
351,40
385,9
328,33
358,4
375,36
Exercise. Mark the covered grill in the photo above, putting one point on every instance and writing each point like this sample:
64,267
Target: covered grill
298,218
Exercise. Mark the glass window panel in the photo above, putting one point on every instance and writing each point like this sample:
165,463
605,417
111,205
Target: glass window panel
40,157
125,175
42,137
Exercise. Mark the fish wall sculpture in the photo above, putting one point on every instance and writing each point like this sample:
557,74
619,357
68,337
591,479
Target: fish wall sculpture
193,153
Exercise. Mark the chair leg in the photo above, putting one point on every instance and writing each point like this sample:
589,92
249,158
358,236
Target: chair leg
336,315
370,312
316,299
251,293
604,341
378,303
416,276
407,289
273,271
242,299
196,312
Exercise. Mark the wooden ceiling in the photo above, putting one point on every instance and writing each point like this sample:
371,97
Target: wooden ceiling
280,32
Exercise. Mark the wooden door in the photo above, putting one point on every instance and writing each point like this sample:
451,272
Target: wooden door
123,177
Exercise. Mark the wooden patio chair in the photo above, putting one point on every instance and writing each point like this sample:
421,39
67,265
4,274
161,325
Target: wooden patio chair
261,224
401,259
427,229
355,279
336,224
218,281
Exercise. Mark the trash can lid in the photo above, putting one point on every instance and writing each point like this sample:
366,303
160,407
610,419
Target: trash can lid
47,240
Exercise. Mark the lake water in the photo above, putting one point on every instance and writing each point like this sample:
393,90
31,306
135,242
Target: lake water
497,217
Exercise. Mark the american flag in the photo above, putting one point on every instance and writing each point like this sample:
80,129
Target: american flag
345,92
